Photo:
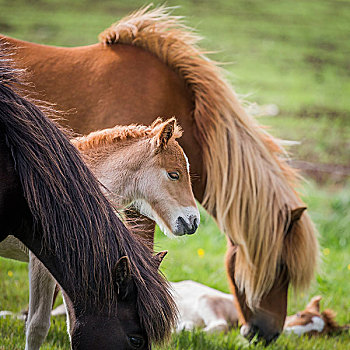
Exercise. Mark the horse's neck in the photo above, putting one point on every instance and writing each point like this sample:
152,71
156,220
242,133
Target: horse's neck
13,207
75,293
116,168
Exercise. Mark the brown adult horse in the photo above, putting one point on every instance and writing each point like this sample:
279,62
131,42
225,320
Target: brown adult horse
149,64
52,203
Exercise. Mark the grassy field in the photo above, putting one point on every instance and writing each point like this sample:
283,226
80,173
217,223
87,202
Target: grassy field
294,54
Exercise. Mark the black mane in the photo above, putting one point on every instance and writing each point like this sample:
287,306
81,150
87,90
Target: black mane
79,225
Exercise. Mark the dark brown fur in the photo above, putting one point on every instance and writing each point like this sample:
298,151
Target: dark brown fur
78,225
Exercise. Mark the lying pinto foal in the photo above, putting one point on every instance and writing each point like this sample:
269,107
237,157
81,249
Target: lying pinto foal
312,321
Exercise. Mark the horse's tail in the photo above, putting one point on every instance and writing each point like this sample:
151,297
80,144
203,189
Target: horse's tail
248,185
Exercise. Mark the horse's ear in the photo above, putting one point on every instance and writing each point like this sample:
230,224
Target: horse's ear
295,216
314,304
122,277
156,122
297,213
159,257
165,134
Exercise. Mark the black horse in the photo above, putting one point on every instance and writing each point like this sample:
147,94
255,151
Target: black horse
51,202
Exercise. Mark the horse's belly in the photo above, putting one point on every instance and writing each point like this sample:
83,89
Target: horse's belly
12,248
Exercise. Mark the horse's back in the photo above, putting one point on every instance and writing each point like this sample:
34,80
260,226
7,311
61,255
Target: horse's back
107,85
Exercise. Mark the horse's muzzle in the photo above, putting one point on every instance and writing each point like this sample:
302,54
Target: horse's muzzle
252,331
184,228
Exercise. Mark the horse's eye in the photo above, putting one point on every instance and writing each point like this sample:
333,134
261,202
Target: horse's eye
174,175
136,342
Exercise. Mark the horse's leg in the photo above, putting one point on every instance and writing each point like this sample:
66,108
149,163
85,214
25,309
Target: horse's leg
185,326
239,300
140,225
70,315
213,317
55,294
42,287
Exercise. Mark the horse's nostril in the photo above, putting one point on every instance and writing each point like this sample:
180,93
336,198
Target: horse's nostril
195,223
186,228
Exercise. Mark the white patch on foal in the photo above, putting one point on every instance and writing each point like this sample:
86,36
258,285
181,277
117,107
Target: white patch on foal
202,306
317,324
187,162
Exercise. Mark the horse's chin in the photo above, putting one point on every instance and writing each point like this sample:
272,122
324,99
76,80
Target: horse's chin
166,230
144,208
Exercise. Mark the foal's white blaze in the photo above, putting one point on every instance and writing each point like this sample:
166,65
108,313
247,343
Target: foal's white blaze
317,324
243,330
187,162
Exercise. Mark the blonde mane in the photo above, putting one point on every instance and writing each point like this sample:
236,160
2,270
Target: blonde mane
119,133
248,186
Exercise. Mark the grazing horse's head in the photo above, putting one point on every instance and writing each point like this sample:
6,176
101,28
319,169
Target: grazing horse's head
122,331
145,167
265,320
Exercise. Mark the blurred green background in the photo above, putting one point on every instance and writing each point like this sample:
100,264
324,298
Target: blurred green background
292,54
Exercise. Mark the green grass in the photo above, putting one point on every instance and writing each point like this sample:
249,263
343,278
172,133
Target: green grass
290,53
330,210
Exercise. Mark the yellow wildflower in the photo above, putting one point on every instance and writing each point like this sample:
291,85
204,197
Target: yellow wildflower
200,252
